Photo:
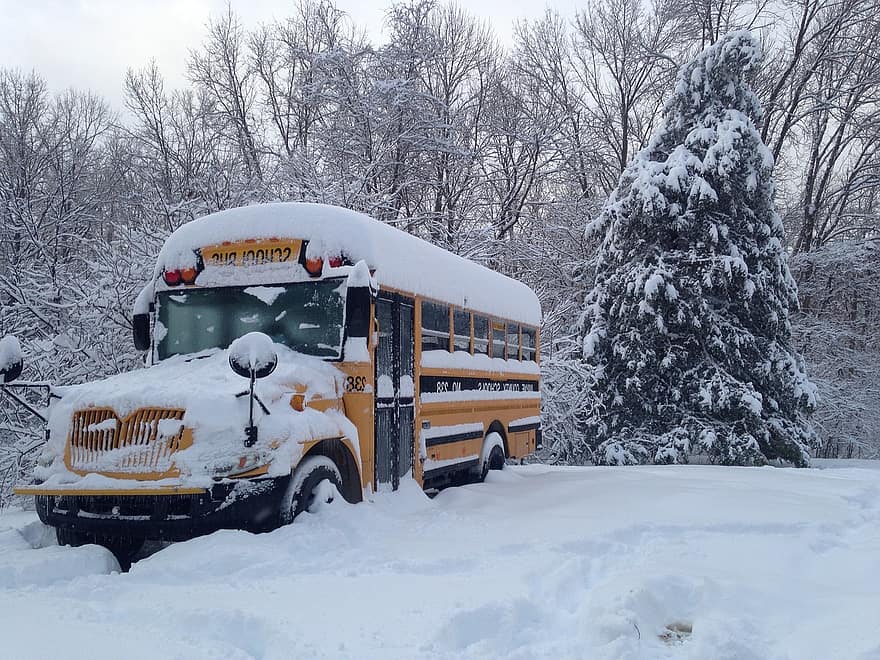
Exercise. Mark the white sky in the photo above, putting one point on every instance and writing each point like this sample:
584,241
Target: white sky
89,44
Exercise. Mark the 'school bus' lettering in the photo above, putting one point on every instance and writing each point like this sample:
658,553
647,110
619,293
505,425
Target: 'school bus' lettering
442,385
251,253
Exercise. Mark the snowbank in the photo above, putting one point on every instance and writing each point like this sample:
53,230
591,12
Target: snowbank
683,562
30,557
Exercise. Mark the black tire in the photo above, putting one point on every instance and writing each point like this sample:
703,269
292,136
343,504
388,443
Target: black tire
494,462
304,483
124,548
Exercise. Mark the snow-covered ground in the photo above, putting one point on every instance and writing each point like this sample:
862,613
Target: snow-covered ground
540,562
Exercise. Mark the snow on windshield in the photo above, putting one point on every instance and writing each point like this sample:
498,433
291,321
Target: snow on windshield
306,316
267,294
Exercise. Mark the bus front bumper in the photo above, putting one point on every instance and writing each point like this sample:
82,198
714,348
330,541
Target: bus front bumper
171,514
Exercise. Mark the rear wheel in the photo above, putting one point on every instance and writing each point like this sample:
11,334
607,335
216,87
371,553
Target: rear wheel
316,480
124,548
492,457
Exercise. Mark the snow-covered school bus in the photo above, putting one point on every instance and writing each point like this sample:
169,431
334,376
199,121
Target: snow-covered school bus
289,347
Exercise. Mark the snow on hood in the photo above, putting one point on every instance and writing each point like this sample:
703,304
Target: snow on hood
205,387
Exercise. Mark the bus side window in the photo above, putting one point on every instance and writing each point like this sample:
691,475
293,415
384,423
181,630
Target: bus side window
513,342
435,326
481,335
528,344
461,338
499,330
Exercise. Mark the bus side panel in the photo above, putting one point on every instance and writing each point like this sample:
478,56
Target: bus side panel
456,414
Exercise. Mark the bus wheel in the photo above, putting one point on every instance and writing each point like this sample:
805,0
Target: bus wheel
308,484
492,456
123,548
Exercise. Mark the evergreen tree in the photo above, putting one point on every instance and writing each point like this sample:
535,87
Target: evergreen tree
687,326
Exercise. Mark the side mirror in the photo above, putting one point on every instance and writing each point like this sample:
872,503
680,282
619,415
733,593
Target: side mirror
358,299
12,371
140,330
11,361
253,356
357,311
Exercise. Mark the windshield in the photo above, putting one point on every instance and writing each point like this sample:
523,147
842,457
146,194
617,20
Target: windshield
307,317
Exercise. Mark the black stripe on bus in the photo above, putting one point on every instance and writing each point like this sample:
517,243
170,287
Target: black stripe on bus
452,437
454,467
517,428
445,384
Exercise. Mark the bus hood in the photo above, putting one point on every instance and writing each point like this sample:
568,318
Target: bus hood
208,393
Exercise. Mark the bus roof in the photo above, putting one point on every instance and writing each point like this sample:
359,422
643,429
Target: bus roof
401,261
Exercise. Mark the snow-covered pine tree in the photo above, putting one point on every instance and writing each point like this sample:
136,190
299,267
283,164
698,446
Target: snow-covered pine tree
688,323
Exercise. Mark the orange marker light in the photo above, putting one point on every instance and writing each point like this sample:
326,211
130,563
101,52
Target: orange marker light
298,402
188,275
314,266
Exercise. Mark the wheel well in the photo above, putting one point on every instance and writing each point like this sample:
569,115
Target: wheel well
340,454
498,427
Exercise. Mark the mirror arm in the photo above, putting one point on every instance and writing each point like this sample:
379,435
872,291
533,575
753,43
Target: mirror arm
257,399
250,431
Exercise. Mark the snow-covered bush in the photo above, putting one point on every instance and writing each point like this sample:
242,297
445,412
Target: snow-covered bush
688,323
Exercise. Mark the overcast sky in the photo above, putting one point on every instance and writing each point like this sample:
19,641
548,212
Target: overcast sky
89,44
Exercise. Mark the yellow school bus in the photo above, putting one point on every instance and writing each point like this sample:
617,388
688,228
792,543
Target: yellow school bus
290,347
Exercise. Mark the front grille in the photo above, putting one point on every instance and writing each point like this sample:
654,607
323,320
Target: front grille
143,442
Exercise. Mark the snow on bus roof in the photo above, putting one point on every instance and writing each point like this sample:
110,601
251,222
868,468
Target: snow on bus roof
401,261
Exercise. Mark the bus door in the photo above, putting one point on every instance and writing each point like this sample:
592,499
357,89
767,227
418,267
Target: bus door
395,410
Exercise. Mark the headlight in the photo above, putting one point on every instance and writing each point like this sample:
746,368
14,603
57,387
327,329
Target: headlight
244,463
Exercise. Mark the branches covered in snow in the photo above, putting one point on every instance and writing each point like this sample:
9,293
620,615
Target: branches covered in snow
838,331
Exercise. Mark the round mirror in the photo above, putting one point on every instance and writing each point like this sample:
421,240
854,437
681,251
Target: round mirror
253,355
11,361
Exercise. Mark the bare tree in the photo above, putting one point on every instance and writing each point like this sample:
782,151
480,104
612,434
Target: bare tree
627,55
221,68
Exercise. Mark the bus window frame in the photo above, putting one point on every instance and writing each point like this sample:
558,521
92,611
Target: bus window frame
487,338
430,332
518,334
533,333
470,330
492,342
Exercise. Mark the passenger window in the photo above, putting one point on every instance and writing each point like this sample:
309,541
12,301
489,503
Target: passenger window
513,342
528,344
499,332
481,335
461,338
435,326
